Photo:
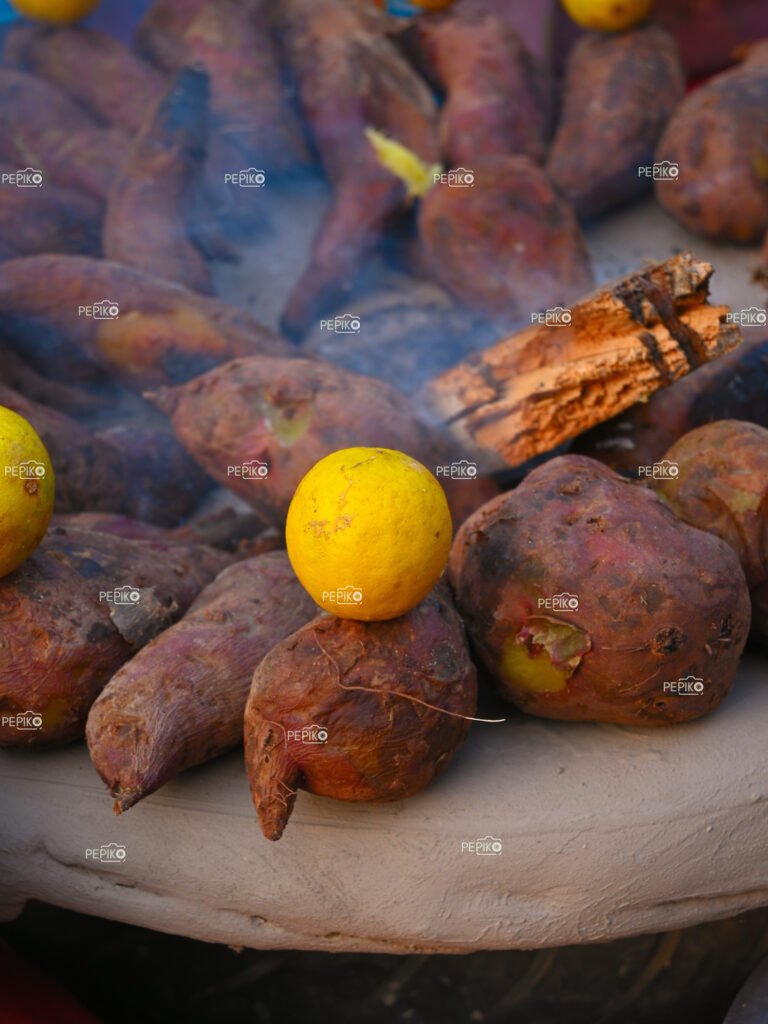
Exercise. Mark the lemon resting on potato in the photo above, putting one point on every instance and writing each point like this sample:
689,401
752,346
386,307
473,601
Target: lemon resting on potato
368,533
608,15
27,489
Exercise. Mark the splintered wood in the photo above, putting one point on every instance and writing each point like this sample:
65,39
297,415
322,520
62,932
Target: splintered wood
530,392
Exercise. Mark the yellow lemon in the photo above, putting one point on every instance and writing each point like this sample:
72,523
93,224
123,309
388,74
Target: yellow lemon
60,12
26,490
608,15
368,533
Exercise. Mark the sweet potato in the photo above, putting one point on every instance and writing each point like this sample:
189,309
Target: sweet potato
117,88
358,710
350,76
619,91
721,486
230,531
588,599
274,418
164,333
500,99
49,219
250,109
160,36
717,136
63,639
169,709
145,224
734,386
41,127
137,470
16,373
507,244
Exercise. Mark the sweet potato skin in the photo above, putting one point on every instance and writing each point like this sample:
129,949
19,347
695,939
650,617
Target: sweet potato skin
355,679
164,334
40,126
61,643
717,136
731,387
501,100
507,245
160,36
722,487
119,88
287,414
657,601
619,91
49,219
145,223
170,708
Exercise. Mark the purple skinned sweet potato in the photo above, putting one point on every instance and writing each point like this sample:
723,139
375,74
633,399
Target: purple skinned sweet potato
588,599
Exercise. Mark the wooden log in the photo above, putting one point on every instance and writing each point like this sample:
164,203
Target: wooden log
536,389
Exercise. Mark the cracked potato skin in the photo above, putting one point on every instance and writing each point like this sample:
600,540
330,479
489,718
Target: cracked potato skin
344,675
657,599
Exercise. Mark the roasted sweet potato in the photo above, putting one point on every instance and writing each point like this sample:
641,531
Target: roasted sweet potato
507,244
66,631
250,109
350,76
732,387
117,88
719,483
41,127
619,91
164,333
136,470
588,599
717,137
160,36
358,710
169,708
49,219
258,425
16,373
145,224
500,99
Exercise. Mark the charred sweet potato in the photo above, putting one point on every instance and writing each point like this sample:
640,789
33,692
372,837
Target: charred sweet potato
250,109
717,136
164,333
500,99
49,219
63,638
732,387
115,86
721,486
230,531
41,127
258,425
350,77
358,710
16,373
508,244
169,708
619,91
145,224
588,599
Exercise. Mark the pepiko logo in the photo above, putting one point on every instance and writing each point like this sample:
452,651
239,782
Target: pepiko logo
25,721
126,595
460,177
30,469
560,603
28,178
309,734
347,596
112,853
345,324
664,170
687,686
752,317
664,470
488,846
461,470
103,310
558,316
251,177
253,470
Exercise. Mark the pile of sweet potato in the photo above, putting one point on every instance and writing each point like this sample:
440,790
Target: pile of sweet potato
167,636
